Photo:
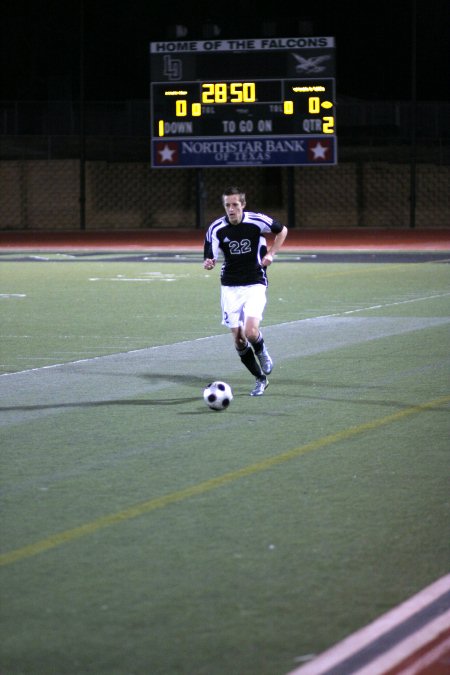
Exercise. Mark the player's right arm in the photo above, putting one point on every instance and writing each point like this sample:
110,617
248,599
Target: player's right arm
208,255
210,250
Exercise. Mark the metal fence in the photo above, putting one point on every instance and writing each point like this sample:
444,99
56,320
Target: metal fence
38,194
380,174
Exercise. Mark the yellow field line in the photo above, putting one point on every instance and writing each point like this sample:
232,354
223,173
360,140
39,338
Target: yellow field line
208,485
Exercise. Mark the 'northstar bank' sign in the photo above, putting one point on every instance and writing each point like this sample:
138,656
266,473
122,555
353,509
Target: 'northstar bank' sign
270,151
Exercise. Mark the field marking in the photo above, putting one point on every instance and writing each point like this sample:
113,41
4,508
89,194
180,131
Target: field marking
207,337
207,486
403,640
370,307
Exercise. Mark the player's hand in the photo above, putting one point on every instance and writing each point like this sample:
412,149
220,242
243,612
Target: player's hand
267,260
209,263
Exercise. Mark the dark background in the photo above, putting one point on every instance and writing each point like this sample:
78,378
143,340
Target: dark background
40,43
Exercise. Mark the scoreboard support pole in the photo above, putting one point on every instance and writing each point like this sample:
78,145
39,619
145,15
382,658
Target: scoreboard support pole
82,172
200,194
413,148
290,197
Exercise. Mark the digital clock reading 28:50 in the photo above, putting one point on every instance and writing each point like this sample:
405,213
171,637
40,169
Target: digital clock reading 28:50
286,94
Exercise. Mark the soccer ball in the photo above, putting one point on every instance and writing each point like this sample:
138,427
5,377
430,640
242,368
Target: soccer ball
218,395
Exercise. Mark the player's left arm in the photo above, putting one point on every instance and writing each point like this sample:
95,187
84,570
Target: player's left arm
276,245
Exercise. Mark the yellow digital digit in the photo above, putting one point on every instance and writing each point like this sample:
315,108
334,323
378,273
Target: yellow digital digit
208,93
180,107
220,92
249,92
288,107
161,128
328,125
313,104
196,110
236,92
242,92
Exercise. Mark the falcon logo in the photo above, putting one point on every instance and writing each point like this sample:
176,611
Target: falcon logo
311,65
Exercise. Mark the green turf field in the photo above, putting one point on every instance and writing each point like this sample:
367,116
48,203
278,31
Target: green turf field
143,534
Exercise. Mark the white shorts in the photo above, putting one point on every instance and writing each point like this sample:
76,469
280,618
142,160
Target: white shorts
240,302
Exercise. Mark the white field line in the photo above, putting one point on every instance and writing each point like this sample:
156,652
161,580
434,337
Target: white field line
286,323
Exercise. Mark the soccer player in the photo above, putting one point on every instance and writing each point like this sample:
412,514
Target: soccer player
239,236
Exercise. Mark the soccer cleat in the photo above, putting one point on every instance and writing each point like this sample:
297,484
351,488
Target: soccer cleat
261,385
265,361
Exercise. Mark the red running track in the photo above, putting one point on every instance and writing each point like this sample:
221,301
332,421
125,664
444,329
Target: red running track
356,239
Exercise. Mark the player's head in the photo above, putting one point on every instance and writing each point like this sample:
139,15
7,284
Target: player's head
233,199
234,191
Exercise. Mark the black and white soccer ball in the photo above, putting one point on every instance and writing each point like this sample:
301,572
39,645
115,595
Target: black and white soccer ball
218,395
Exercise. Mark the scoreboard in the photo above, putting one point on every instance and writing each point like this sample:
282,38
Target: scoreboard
267,102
